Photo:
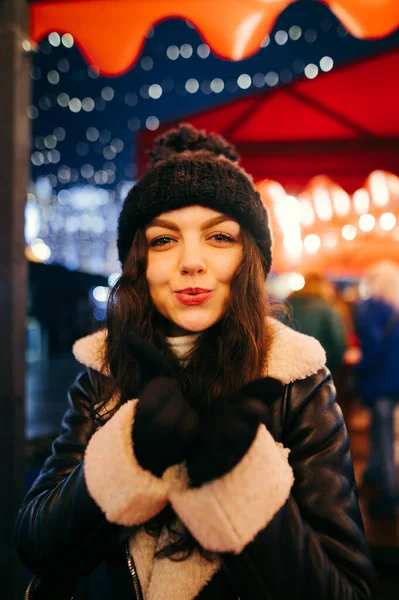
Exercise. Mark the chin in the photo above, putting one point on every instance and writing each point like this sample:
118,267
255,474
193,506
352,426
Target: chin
195,323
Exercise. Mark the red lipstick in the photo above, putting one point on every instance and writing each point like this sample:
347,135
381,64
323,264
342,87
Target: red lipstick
193,296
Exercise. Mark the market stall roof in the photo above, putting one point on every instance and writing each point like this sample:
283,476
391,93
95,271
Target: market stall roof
233,29
332,145
344,124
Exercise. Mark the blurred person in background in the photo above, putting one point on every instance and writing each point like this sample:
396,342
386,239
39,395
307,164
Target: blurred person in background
377,325
314,314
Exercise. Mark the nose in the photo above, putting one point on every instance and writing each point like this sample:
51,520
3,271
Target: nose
192,261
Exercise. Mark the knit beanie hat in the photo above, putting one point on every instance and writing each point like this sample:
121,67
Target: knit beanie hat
190,168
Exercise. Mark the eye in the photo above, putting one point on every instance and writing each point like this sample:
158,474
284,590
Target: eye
160,241
222,238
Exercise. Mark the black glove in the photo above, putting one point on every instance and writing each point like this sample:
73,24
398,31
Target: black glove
229,429
165,424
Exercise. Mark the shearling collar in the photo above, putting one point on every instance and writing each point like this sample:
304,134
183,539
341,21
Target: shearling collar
292,355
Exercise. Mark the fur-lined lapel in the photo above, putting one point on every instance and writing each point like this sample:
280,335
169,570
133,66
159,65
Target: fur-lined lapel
292,355
168,579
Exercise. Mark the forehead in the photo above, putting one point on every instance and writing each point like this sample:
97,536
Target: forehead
191,215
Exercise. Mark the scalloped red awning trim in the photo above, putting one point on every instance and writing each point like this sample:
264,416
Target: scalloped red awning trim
111,33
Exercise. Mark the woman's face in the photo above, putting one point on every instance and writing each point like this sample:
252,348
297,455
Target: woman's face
193,253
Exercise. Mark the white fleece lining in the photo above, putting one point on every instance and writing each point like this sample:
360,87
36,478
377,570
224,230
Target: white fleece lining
224,515
126,493
167,579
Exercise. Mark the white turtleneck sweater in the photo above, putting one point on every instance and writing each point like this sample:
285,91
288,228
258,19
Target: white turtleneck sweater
182,344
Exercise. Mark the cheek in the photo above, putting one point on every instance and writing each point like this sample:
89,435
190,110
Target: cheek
156,274
227,266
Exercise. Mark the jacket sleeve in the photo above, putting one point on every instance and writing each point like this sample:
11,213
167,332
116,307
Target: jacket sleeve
278,539
89,491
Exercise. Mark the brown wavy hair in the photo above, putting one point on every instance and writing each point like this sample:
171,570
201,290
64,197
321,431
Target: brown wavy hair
223,358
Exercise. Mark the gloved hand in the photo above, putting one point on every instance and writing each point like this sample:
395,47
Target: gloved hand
229,429
165,424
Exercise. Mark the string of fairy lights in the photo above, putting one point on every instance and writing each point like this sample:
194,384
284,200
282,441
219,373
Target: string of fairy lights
85,126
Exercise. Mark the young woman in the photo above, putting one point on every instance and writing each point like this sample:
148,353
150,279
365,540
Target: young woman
203,454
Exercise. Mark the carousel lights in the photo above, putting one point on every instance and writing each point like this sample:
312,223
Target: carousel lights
32,222
379,188
295,32
217,85
53,77
361,201
258,80
75,105
330,240
271,78
107,93
293,243
310,36
307,213
50,141
203,50
265,42
67,40
63,65
244,81
152,123
322,203
59,134
186,50
92,134
192,85
349,232
341,202
146,63
366,222
155,91
287,211
40,250
37,159
297,281
88,104
54,39
387,221
326,63
312,243
63,99
32,112
281,37
311,71
172,52
100,293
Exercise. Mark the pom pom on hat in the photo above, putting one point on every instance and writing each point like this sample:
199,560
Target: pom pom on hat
187,138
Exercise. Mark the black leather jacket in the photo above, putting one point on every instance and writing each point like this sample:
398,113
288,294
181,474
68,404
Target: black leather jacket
313,549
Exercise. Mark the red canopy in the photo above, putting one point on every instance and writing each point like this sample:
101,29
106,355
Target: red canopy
313,136
111,33
343,124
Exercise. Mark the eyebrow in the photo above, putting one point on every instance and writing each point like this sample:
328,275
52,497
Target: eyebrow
159,222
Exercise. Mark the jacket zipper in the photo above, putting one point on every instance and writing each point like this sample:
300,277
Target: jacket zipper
133,573
28,589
